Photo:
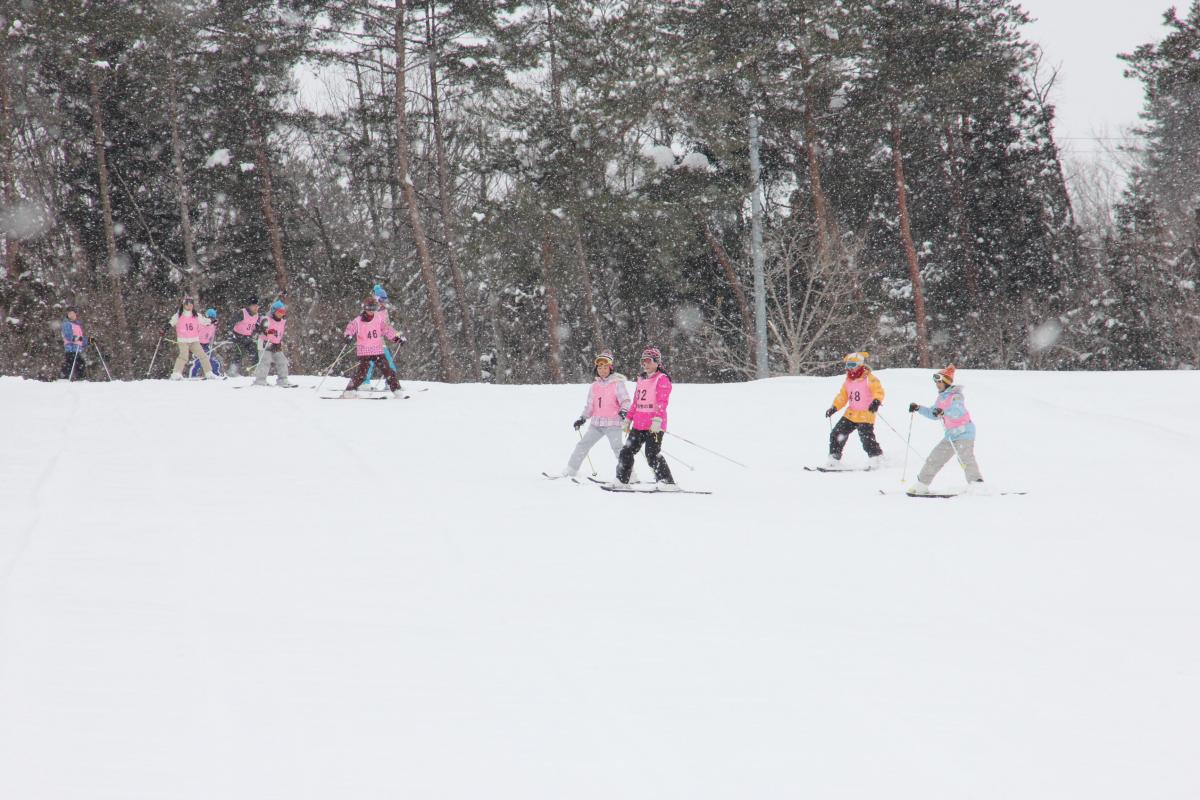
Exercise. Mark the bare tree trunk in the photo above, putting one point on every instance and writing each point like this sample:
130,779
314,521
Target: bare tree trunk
910,252
449,234
185,201
110,237
262,165
589,292
8,132
739,293
554,317
403,170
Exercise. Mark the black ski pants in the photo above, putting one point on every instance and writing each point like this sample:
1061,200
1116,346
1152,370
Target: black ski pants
841,432
380,361
633,443
76,361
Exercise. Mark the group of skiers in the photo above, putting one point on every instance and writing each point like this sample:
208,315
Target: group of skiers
628,422
862,395
643,418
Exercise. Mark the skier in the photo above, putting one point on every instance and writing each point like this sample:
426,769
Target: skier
959,438
861,395
382,297
368,332
187,336
271,328
647,421
207,334
607,406
245,344
75,342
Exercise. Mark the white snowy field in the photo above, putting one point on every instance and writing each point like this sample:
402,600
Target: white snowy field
217,594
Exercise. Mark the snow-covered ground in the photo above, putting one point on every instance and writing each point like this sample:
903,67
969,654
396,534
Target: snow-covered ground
209,593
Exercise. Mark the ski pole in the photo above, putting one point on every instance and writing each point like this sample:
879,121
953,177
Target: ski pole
329,371
106,372
153,357
677,458
707,450
904,472
589,455
71,374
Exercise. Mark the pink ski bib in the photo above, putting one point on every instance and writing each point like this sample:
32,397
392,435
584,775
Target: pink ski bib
604,399
187,328
247,325
76,333
208,333
275,327
945,403
858,394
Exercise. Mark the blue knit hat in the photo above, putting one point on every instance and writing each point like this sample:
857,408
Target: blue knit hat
278,304
379,292
211,313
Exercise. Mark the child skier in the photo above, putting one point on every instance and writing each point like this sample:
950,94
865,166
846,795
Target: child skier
607,406
959,438
648,420
861,394
245,343
75,342
207,334
368,332
382,297
271,328
187,336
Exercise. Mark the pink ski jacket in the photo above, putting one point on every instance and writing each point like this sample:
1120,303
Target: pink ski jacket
369,335
607,398
273,330
650,399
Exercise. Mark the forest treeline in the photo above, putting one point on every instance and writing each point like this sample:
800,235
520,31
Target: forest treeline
532,181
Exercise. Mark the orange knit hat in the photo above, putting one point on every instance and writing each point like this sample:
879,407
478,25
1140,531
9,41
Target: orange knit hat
947,375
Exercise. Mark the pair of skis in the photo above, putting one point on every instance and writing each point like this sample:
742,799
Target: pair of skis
628,488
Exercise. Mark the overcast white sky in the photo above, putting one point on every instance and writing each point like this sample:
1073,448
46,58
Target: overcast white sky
1083,37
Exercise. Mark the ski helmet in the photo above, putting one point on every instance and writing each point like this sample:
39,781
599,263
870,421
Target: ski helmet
652,353
604,357
854,360
370,304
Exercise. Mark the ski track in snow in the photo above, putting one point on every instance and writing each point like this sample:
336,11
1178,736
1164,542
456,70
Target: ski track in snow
208,593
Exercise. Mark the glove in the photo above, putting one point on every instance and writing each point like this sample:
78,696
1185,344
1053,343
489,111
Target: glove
621,413
873,407
829,412
349,339
656,425
402,340
913,408
937,412
579,423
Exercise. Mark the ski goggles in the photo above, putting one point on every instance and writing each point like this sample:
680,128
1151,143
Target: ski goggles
604,362
853,364
940,378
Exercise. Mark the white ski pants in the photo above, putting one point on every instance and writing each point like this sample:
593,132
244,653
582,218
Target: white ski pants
593,435
945,450
265,360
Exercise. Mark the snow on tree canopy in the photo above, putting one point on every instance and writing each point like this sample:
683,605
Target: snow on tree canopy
218,158
660,154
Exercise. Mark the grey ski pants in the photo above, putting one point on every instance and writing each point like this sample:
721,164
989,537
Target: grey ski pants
945,450
593,435
266,360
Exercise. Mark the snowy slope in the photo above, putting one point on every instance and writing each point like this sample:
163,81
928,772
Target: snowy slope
209,593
